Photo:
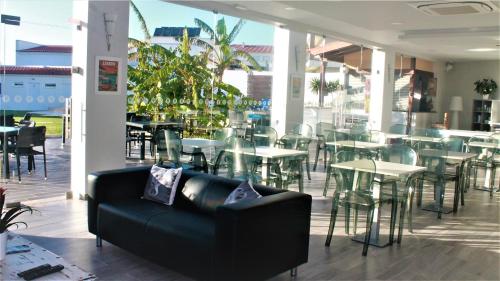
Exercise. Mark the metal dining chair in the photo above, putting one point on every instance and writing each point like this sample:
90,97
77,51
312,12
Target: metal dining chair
353,192
27,143
485,158
305,131
322,131
238,158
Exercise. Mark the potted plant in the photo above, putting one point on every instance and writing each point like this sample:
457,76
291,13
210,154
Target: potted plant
485,87
7,220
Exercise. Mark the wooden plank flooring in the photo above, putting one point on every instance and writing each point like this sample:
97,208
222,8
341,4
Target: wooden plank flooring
465,246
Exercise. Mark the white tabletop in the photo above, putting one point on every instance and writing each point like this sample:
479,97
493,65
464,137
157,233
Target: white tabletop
202,143
394,136
466,133
422,138
274,152
450,155
381,167
357,144
483,144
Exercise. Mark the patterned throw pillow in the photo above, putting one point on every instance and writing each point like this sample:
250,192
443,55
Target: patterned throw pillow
162,184
244,191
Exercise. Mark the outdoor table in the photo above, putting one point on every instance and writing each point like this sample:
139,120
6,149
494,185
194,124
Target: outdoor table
7,132
357,144
466,133
382,168
454,156
148,126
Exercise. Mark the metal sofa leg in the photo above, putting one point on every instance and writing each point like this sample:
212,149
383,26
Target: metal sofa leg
98,242
293,272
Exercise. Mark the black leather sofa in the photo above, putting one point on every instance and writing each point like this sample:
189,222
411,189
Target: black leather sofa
199,236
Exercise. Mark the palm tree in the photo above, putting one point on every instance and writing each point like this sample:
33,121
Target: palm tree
224,56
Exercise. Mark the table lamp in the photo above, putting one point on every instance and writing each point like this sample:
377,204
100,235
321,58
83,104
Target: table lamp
456,106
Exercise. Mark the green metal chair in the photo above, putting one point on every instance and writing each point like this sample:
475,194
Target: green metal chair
436,173
290,169
306,132
322,131
265,136
485,158
360,197
238,157
400,192
169,148
332,150
398,129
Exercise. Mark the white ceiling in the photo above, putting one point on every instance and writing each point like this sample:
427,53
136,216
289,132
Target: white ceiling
383,24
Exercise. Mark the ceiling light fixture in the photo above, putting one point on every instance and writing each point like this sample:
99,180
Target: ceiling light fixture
481,50
396,23
289,8
239,7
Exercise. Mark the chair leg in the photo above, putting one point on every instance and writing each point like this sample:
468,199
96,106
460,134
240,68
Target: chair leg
355,228
401,221
347,212
333,218
18,160
44,162
301,179
410,210
325,154
369,221
327,182
293,272
492,180
318,147
394,211
440,201
98,241
308,169
475,176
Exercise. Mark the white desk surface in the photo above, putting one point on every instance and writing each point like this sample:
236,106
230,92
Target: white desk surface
357,144
483,144
466,133
274,152
422,138
202,143
381,167
451,155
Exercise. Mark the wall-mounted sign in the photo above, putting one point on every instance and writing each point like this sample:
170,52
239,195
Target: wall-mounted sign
296,86
108,75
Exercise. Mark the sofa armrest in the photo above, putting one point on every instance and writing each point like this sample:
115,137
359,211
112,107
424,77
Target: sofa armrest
114,185
271,233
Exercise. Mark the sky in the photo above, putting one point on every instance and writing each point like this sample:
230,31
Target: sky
47,22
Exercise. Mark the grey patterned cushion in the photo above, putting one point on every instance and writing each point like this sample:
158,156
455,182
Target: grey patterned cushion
162,184
244,191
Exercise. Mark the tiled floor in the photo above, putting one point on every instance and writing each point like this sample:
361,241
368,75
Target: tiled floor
464,246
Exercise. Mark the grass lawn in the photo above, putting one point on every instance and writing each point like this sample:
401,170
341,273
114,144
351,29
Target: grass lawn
53,123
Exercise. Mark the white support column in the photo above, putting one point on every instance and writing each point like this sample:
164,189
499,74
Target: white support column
98,121
288,68
381,90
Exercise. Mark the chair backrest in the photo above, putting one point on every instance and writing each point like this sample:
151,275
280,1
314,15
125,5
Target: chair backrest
303,130
27,116
454,144
168,146
265,136
418,132
398,129
139,118
344,178
376,137
398,153
31,137
435,162
294,141
223,133
7,120
239,157
435,133
323,129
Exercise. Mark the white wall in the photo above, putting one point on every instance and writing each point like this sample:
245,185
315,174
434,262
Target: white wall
30,92
41,58
460,82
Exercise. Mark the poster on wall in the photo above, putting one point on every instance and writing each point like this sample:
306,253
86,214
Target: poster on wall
296,84
107,75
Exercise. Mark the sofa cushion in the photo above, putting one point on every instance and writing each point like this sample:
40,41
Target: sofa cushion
123,222
162,184
208,192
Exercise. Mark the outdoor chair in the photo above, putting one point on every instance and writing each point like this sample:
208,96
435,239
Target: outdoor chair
352,193
332,150
306,132
28,143
289,169
169,149
238,158
399,192
26,121
485,158
322,131
265,136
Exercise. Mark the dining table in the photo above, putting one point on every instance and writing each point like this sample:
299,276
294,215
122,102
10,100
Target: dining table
460,158
149,127
382,168
6,133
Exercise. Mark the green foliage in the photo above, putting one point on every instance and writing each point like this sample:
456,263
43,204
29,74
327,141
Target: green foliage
315,85
330,87
222,55
485,86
